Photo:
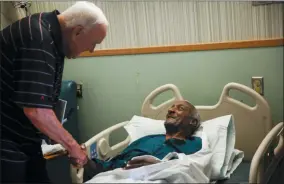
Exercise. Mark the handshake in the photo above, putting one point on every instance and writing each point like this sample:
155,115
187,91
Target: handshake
77,154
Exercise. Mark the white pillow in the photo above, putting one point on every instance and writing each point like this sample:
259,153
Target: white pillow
221,136
139,127
219,132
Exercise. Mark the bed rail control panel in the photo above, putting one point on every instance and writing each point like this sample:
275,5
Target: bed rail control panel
93,151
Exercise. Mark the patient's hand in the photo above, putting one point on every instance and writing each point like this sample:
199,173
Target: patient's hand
141,161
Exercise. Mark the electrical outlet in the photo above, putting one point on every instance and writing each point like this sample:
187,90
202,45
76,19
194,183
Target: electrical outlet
258,85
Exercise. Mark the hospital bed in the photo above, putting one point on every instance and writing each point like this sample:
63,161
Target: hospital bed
254,130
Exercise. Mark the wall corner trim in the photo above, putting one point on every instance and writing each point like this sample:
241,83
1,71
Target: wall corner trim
187,48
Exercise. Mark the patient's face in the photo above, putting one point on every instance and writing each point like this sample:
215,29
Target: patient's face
178,118
177,112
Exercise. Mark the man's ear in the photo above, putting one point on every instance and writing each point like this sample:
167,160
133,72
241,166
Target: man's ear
194,122
77,30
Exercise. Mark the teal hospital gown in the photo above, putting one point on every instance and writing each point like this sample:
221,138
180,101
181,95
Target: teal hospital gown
155,145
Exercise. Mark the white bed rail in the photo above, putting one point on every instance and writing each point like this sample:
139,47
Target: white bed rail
257,168
103,149
246,117
159,112
102,140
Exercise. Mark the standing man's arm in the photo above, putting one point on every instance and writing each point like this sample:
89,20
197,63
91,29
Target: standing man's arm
46,121
34,74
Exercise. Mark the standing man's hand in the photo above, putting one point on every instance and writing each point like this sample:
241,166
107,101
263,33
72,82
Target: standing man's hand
46,121
78,156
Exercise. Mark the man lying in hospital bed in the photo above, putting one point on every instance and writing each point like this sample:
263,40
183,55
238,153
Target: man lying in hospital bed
186,152
181,123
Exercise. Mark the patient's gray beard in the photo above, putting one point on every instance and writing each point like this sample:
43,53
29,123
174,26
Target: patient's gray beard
171,129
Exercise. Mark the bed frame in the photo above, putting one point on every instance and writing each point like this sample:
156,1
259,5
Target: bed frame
252,126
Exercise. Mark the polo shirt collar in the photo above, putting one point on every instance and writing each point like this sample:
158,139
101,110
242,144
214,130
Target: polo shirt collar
175,141
56,31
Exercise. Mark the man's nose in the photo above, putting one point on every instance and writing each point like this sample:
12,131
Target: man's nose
92,49
171,110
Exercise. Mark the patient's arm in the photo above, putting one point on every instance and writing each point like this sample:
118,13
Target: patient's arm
141,161
94,167
91,169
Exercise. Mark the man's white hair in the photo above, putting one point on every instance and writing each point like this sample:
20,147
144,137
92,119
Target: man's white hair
84,13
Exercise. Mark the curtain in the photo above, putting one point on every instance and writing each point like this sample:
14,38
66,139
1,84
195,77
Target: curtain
144,23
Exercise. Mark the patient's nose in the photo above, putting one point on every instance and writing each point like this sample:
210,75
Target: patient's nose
171,111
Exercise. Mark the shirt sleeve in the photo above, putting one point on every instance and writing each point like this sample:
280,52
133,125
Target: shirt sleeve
34,71
101,166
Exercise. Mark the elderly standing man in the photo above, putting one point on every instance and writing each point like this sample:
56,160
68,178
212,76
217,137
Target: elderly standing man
33,50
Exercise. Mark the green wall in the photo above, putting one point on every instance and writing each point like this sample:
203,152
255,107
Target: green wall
114,87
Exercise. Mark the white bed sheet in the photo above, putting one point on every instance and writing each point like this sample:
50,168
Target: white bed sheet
173,171
217,160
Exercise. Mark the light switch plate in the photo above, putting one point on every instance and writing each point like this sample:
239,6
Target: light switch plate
258,85
80,90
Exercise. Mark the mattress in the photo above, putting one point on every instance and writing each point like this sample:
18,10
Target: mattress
240,175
